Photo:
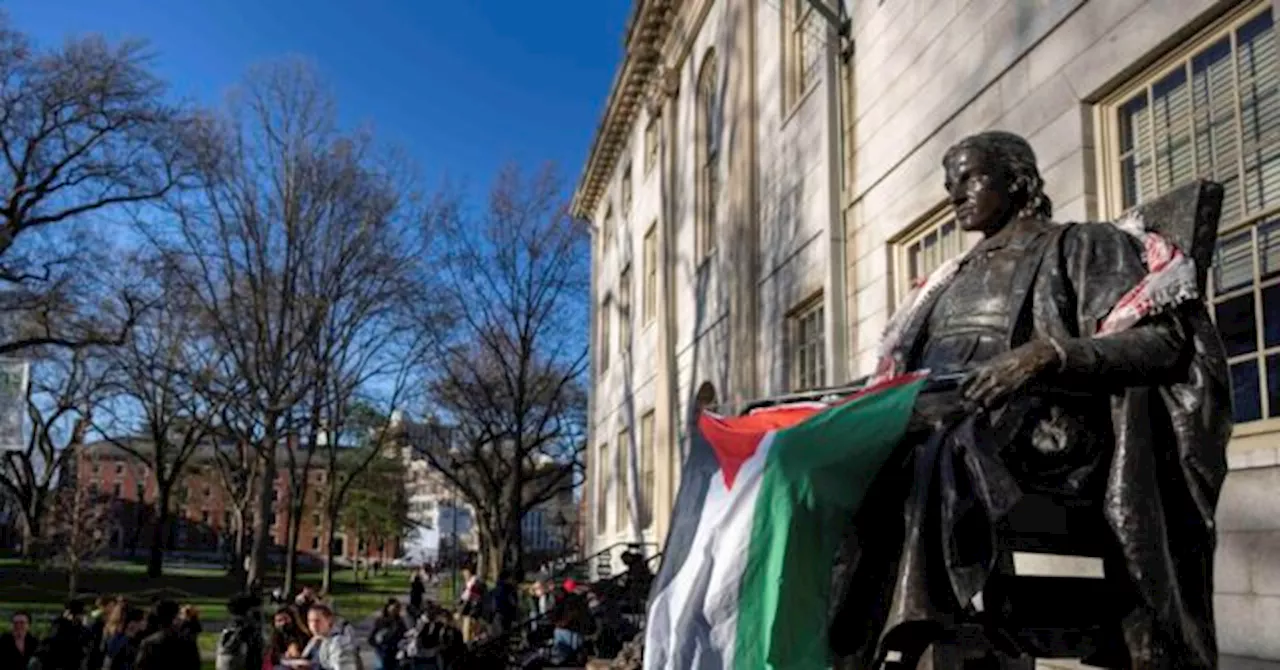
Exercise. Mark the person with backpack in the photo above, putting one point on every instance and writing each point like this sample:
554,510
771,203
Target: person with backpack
240,643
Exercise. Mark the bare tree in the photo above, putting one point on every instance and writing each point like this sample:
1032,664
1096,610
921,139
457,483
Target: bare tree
85,135
64,389
78,528
162,407
508,369
236,466
361,277
242,246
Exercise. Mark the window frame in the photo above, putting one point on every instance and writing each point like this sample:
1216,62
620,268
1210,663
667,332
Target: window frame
606,334
652,136
625,290
648,480
606,229
937,218
797,20
626,191
796,349
1110,178
649,284
621,488
708,152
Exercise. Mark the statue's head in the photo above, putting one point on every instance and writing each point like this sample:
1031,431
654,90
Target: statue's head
992,180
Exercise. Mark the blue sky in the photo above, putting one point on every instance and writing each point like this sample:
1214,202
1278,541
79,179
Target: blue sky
465,85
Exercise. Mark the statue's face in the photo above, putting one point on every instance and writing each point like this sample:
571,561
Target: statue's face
979,190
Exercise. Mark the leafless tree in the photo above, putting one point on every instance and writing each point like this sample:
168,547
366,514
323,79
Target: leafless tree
78,528
163,405
85,137
361,276
236,466
64,389
280,185
508,368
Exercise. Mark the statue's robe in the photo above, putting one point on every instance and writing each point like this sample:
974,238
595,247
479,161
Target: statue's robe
1138,419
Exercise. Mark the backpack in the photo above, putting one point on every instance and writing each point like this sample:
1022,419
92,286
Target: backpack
233,650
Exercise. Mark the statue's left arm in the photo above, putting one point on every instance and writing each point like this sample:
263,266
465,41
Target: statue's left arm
1101,264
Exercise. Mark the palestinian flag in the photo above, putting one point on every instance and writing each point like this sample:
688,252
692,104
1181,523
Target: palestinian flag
763,503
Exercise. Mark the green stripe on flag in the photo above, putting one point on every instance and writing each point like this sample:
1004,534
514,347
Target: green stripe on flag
815,477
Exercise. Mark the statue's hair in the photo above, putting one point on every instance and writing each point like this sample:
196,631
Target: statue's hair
1016,155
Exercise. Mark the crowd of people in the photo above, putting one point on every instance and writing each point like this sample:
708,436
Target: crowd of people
563,622
120,635
115,635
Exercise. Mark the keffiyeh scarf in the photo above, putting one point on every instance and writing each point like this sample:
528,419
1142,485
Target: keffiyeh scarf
1170,281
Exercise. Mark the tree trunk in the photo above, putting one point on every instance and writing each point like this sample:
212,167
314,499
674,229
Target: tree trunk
73,578
159,531
291,544
326,578
262,520
513,545
30,533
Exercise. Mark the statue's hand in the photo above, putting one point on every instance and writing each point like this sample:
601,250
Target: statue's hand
1009,372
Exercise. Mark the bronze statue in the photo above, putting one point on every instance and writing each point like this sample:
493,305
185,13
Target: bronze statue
1081,382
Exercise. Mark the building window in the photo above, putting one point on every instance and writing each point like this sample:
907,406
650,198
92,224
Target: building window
602,490
606,230
625,191
651,136
204,517
802,39
117,490
606,315
649,291
708,154
624,310
315,543
808,347
1213,111
620,503
930,243
119,469
315,520
646,469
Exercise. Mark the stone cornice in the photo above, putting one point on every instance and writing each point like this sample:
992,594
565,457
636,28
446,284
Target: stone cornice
646,34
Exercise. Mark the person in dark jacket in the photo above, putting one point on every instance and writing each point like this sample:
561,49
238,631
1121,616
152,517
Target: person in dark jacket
388,631
18,646
417,589
120,650
67,644
506,602
168,648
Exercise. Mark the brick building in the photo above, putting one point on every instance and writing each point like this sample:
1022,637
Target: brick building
202,517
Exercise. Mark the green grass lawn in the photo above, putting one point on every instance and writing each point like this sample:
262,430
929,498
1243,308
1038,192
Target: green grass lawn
42,592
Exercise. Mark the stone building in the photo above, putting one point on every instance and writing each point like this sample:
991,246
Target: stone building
764,187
